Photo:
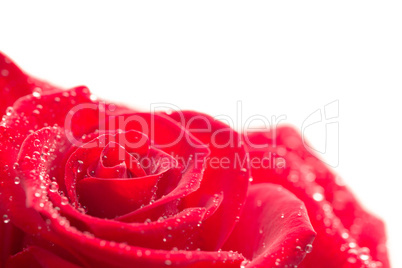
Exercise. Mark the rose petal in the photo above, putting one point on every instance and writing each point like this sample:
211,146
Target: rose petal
10,239
108,198
274,229
109,253
165,233
232,180
166,134
38,257
304,177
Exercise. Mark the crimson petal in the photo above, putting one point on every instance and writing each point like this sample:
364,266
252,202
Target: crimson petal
274,228
38,257
359,245
232,181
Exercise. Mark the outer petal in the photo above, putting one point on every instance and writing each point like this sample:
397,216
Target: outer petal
10,239
339,234
274,229
37,257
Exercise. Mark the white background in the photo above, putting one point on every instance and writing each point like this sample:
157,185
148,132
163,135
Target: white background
288,58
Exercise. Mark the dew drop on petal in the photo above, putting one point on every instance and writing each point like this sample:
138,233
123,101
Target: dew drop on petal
308,248
16,165
277,262
4,72
53,187
36,92
36,142
168,262
364,256
64,200
17,180
9,110
243,171
6,219
345,235
318,197
351,260
352,244
244,263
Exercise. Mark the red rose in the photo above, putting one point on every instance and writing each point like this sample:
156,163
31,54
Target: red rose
90,184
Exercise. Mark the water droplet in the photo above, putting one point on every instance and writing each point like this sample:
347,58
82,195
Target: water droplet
16,165
308,248
6,219
277,262
310,177
351,260
64,200
364,256
102,243
36,92
318,197
93,97
57,99
168,262
250,179
244,263
9,110
345,235
53,187
79,168
36,142
4,72
17,180
282,216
